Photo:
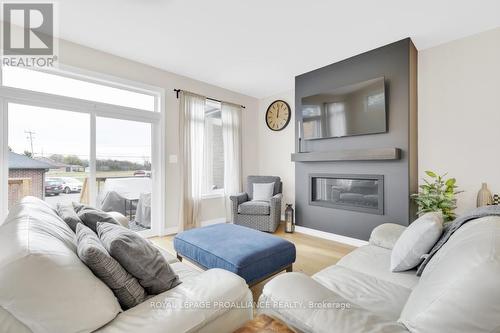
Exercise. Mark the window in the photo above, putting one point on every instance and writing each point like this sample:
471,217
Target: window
18,77
82,140
49,154
213,178
375,101
311,121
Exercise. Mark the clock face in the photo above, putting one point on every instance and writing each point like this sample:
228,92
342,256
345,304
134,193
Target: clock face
278,115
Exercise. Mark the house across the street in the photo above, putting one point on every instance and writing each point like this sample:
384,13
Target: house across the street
26,177
54,165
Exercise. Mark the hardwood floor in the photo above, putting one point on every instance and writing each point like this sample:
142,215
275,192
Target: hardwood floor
313,254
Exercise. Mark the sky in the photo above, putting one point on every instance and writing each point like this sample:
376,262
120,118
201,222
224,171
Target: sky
68,133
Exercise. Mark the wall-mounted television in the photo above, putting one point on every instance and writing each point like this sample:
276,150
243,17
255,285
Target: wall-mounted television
356,109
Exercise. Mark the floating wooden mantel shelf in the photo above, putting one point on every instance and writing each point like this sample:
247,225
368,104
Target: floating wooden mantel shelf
377,154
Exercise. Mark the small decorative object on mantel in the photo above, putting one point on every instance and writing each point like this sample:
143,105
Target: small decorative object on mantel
437,195
496,199
484,197
289,219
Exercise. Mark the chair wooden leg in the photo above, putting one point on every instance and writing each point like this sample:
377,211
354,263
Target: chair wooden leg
289,269
179,257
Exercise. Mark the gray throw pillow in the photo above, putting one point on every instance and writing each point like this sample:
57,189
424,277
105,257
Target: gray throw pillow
126,288
90,216
68,214
139,257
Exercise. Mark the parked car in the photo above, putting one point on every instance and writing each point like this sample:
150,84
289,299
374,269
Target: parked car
142,173
70,184
53,187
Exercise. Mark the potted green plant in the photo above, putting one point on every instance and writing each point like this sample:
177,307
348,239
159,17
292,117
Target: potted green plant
437,194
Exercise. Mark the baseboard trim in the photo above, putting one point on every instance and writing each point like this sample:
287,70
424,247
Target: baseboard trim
330,236
174,230
169,231
213,221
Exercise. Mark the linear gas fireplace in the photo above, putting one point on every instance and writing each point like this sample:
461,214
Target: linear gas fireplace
360,193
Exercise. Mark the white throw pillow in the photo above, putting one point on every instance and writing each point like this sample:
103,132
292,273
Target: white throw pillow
263,191
417,240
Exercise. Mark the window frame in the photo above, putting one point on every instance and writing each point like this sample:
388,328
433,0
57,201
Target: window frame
95,109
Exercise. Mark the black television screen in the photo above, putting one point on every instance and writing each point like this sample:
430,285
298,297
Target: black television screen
351,110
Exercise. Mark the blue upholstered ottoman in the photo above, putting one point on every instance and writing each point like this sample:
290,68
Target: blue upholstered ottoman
252,254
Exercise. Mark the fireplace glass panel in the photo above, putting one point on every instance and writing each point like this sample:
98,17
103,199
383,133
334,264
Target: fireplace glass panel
358,193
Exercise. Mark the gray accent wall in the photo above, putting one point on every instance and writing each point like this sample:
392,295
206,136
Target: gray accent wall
397,62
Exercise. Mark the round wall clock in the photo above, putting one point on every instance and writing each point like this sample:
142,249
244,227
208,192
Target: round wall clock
278,115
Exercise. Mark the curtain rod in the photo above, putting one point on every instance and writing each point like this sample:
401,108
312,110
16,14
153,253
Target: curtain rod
177,91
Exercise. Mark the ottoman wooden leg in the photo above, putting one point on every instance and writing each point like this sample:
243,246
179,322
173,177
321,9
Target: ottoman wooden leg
179,257
289,269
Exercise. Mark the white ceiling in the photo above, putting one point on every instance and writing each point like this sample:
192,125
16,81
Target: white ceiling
256,47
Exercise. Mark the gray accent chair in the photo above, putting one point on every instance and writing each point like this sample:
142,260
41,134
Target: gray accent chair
260,215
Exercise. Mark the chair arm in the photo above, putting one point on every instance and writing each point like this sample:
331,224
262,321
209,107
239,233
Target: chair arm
276,200
386,235
239,198
236,200
120,218
275,203
190,307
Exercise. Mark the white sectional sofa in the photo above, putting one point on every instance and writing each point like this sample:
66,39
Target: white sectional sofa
459,291
44,287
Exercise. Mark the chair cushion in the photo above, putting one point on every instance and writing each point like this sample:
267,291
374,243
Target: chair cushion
126,288
383,298
254,208
375,261
139,257
249,253
311,307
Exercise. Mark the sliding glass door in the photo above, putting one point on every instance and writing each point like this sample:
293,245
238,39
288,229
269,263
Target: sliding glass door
123,169
64,140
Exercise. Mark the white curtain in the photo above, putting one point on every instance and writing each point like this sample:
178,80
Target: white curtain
231,136
191,131
337,119
208,169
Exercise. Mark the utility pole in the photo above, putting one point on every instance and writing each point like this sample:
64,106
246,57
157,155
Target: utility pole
30,137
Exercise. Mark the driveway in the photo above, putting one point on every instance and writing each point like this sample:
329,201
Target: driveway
62,198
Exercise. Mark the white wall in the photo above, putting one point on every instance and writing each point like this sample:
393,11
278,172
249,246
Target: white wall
459,112
274,148
93,60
